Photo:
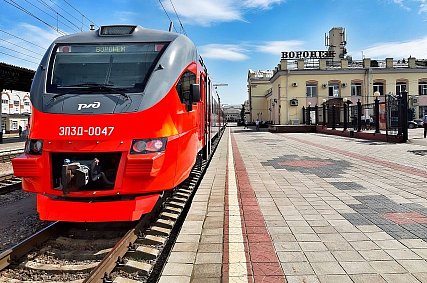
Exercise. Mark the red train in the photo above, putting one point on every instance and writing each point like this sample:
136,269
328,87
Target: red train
120,115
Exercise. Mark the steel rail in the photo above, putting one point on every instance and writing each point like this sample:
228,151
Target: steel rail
19,250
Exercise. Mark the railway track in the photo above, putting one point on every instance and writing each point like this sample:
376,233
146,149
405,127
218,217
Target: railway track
9,183
7,155
106,252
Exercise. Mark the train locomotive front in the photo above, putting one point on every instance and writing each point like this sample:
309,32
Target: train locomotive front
118,118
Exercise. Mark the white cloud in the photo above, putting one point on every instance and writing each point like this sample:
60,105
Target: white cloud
40,37
206,12
416,48
227,52
264,4
276,47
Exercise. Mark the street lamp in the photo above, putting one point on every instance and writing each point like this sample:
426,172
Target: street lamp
377,112
324,112
345,113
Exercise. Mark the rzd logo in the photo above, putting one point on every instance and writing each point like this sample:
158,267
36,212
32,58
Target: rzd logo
90,105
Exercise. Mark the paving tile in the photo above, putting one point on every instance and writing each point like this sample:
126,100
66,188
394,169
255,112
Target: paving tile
422,276
208,258
335,279
387,266
267,269
400,278
207,270
371,255
364,245
175,279
402,254
351,256
312,246
367,278
177,269
291,256
182,257
300,279
415,265
390,245
297,268
357,267
319,256
338,246
203,280
287,246
331,267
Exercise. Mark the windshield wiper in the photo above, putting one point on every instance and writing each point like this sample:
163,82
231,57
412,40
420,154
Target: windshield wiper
93,87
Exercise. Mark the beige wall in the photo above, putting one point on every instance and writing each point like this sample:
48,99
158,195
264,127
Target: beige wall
291,84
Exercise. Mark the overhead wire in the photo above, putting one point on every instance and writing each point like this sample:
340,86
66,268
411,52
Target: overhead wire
182,26
84,16
22,9
57,14
18,57
8,33
167,14
61,8
18,52
14,44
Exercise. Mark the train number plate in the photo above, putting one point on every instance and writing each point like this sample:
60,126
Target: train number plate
86,131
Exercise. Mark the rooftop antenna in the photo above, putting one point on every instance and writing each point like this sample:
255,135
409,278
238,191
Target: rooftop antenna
170,26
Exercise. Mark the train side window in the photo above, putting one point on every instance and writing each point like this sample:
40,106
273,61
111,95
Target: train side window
183,86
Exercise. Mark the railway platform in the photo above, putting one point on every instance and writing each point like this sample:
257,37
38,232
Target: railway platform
306,208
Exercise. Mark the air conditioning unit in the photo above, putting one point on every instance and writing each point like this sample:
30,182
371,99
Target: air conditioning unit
294,84
294,102
344,84
415,100
324,85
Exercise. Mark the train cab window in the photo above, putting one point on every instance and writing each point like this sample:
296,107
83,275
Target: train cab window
183,86
84,66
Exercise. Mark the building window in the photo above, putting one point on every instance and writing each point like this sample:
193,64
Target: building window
16,102
334,90
311,90
379,87
400,86
422,88
14,125
423,111
5,101
356,89
26,103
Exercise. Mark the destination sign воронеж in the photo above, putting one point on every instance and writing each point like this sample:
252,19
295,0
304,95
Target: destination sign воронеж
292,55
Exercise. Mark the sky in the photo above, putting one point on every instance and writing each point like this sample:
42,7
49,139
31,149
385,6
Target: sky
232,36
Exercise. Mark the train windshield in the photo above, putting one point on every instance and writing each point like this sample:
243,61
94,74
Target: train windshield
123,66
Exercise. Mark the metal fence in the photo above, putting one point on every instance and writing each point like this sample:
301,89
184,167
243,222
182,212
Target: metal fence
388,116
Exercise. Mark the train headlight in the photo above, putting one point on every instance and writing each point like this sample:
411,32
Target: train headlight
34,147
144,146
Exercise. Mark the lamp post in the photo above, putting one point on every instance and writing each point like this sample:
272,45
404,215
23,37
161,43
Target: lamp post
377,112
345,113
309,114
324,112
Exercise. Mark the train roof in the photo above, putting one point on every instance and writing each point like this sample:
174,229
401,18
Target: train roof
138,34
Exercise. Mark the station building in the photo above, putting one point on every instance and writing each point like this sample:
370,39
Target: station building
15,110
232,112
309,78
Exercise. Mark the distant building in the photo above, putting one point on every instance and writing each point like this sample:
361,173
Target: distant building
259,89
15,110
309,78
232,112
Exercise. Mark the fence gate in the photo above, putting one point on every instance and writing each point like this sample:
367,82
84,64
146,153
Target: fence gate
392,114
